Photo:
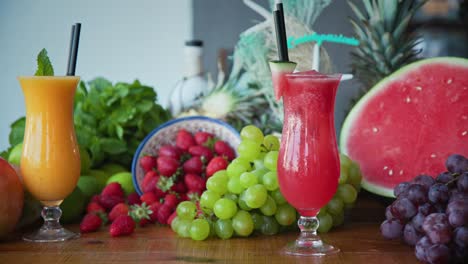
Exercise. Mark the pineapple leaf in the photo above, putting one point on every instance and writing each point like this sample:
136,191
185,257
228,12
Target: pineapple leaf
401,28
369,7
387,8
356,11
381,26
357,29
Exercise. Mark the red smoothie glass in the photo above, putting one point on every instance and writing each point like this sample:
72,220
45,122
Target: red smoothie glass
308,162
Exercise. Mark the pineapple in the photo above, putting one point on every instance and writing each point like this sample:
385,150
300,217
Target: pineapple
385,43
238,103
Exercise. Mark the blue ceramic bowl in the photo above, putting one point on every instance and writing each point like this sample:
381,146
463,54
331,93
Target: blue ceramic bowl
166,134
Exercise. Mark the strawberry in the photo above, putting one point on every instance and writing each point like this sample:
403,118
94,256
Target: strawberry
94,207
152,215
179,187
194,182
171,200
144,222
122,226
95,198
184,140
133,198
159,193
183,197
170,151
155,206
201,137
167,166
171,217
148,163
141,214
216,164
109,201
163,213
91,222
164,184
113,189
201,151
149,182
223,149
193,165
149,198
118,210
154,211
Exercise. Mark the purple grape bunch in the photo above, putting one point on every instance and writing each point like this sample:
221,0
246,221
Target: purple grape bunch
432,214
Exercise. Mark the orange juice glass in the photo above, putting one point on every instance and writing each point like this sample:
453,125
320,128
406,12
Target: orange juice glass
50,162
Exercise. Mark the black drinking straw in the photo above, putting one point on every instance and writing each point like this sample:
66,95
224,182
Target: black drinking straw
73,53
278,16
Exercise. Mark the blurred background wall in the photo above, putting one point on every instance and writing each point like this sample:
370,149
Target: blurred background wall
120,40
123,40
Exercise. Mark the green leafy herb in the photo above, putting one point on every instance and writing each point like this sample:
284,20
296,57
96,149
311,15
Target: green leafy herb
44,66
112,120
4,154
17,131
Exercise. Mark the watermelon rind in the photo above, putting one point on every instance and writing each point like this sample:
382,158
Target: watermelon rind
359,106
282,66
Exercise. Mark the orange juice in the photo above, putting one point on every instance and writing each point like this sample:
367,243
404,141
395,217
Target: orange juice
50,161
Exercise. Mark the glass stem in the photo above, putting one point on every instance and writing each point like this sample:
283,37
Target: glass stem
51,216
308,236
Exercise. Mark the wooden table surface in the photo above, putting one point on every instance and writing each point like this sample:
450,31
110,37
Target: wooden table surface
359,240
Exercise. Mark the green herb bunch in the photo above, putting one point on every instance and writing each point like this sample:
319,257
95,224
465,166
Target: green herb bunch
112,120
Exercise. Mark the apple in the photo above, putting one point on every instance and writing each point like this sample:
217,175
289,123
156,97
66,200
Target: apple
11,197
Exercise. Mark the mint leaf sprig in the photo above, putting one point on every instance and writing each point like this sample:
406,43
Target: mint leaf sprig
44,66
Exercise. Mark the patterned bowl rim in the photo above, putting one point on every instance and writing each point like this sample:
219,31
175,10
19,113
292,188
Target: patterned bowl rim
163,126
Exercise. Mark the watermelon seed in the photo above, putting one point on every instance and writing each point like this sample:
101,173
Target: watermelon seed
464,133
401,172
390,172
408,100
449,81
433,155
375,130
419,88
385,168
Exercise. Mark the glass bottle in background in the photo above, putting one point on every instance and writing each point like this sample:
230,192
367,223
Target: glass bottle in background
194,82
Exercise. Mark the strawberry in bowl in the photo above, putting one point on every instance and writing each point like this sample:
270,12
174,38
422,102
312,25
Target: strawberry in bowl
180,155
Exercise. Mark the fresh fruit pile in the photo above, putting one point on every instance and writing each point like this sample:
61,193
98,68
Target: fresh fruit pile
122,212
432,215
333,214
245,197
182,169
91,183
240,198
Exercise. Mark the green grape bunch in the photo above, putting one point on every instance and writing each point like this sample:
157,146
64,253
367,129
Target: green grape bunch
333,213
245,197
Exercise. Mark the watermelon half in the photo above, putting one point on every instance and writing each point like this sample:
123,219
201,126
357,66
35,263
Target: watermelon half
409,123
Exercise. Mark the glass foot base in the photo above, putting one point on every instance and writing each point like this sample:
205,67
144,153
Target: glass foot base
50,235
314,248
308,243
